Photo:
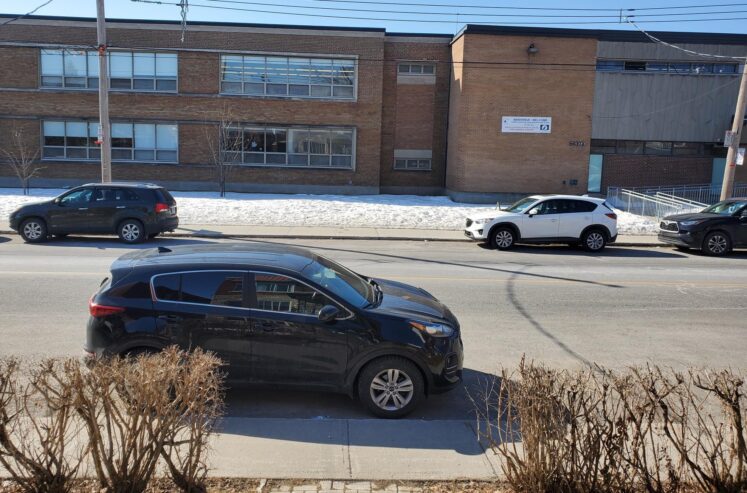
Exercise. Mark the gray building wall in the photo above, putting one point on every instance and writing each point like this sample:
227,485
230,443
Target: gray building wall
664,106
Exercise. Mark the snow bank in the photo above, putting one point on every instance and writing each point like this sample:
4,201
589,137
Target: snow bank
371,211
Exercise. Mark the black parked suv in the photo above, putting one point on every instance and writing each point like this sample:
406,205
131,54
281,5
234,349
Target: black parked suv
135,212
715,230
281,316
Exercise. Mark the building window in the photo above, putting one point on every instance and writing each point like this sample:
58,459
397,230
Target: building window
412,68
658,148
293,77
412,164
76,140
128,71
602,146
304,147
686,148
667,67
630,146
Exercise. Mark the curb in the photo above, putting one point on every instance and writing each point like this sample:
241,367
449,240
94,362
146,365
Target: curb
351,237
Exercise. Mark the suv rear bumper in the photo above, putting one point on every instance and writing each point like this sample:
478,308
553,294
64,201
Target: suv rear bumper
167,224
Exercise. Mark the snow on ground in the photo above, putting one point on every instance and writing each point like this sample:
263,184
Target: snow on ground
352,211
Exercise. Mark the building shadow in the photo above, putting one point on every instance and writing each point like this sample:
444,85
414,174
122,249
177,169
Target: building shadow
107,243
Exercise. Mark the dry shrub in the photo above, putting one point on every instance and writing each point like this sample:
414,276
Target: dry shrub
643,429
38,427
137,410
198,403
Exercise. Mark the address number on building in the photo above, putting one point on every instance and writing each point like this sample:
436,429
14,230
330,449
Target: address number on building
526,124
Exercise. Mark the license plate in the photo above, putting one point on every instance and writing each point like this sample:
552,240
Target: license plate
172,210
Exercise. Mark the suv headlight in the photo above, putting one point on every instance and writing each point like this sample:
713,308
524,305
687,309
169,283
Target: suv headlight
483,220
432,329
692,222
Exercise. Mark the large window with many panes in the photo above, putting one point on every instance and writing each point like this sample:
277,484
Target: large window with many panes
303,147
128,70
132,141
288,77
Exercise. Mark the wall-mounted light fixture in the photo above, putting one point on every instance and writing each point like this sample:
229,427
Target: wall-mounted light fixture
532,50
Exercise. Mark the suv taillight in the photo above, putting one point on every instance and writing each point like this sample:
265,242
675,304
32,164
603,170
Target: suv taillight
98,311
611,215
161,207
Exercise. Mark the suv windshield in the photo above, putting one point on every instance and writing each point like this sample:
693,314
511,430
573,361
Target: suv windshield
727,208
341,281
522,204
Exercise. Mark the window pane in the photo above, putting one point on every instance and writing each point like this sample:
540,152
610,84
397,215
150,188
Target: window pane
121,65
298,141
143,84
630,147
277,89
145,64
298,159
51,62
635,66
122,130
254,158
276,141
316,160
231,68
254,139
429,69
703,68
167,287
657,67
343,91
76,135
321,71
344,72
93,64
122,137
272,158
76,152
75,64
169,156
121,154
145,136
120,83
281,294
213,288
75,82
603,146
342,161
296,90
685,148
277,70
679,68
725,68
166,65
50,81
167,136
298,70
230,87
342,142
321,91
254,69
610,65
404,69
661,148
319,142
54,129
54,151
144,155
165,85
254,88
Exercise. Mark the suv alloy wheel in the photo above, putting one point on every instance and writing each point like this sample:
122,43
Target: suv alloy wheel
33,230
717,244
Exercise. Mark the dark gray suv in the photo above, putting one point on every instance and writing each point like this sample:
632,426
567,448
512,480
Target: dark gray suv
133,211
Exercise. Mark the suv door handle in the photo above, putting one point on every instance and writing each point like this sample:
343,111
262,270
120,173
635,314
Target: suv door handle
82,208
121,206
170,318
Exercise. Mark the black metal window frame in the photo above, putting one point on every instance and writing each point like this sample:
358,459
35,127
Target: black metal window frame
667,67
413,164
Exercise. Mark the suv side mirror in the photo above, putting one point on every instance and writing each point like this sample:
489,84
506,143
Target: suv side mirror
534,212
57,201
328,313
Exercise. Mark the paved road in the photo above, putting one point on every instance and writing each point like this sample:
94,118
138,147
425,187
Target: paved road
557,305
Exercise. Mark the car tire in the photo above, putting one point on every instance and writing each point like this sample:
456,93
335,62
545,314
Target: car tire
131,231
594,240
33,230
503,238
391,387
716,244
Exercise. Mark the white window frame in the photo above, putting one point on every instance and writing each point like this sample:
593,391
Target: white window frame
289,57
92,73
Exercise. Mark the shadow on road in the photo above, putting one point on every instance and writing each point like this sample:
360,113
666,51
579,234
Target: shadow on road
4,239
443,421
610,251
105,243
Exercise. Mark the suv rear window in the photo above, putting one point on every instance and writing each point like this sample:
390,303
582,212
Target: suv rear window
584,206
204,288
163,195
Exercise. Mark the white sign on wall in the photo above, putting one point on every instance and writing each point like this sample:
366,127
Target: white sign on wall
526,124
740,156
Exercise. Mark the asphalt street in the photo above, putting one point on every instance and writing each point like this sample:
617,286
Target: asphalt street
556,305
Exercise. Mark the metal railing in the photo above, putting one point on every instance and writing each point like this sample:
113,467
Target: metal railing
649,205
700,193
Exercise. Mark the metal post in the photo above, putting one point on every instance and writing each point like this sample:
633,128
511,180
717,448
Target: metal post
727,188
104,127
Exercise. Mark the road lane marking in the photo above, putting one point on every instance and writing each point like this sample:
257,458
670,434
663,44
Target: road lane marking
594,282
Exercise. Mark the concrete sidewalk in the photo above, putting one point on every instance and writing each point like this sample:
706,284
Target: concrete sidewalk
351,449
323,233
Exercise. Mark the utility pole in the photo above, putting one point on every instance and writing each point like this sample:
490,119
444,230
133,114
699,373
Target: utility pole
736,133
105,137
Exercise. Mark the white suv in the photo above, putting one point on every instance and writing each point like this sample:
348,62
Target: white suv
547,219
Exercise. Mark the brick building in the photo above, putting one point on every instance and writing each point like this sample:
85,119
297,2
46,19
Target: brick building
491,112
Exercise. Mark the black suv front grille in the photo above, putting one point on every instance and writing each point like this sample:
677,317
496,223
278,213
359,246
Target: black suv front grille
469,222
666,225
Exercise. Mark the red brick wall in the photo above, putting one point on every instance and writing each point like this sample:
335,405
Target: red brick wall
20,67
415,116
626,170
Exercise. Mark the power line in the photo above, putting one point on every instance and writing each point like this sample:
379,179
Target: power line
239,9
27,13
554,9
471,14
690,52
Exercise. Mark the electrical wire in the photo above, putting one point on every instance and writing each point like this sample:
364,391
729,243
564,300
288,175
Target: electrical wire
554,9
690,52
239,9
26,14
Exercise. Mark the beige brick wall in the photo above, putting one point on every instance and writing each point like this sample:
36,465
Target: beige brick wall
481,158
